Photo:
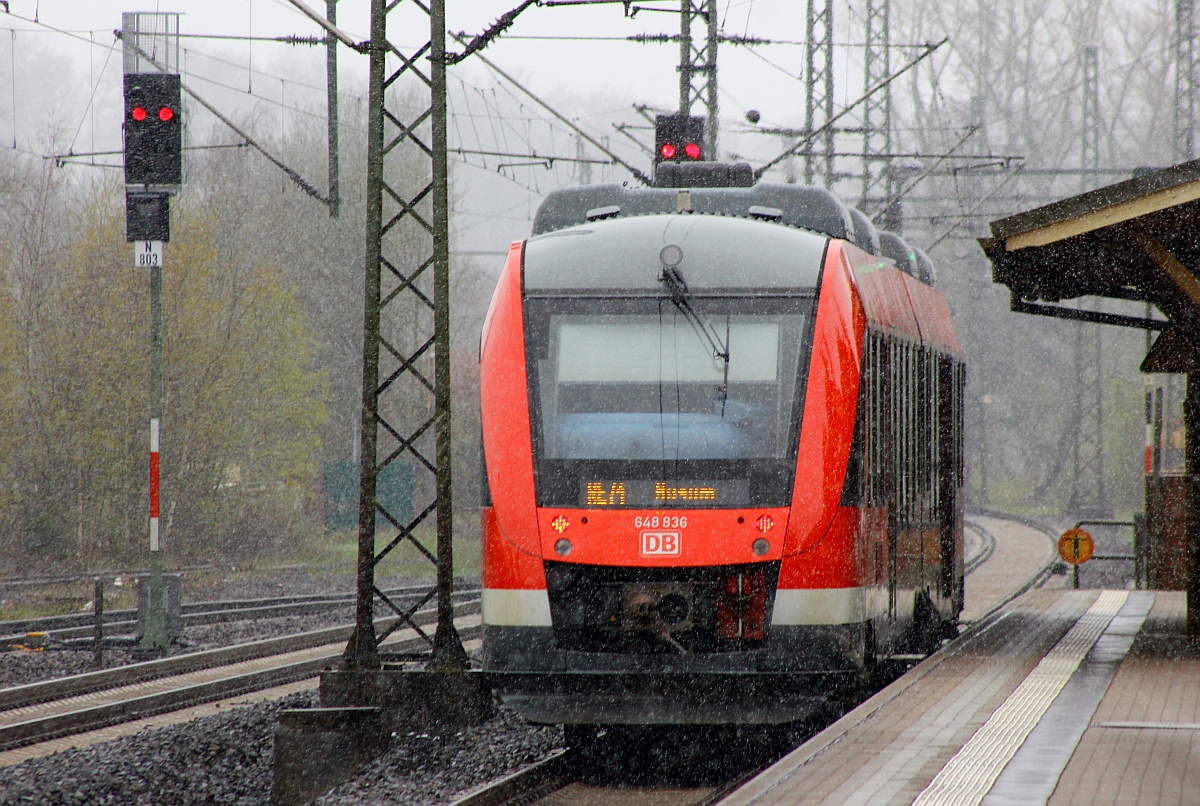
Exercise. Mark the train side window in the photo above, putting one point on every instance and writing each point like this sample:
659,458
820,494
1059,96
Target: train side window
931,432
871,447
891,423
922,443
909,431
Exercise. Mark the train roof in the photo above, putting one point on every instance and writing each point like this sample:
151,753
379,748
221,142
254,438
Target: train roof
721,189
725,254
802,206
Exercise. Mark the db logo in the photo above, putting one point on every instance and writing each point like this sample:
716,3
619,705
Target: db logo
658,544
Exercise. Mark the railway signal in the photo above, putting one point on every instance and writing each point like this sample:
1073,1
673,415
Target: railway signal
153,129
678,138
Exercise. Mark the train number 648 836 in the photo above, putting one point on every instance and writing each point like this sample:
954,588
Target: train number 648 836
665,521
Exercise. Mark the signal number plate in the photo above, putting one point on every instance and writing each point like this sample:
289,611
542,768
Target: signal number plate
660,544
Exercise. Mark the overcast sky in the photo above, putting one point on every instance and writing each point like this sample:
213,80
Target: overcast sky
65,68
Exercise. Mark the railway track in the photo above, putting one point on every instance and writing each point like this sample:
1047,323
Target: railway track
42,711
124,622
987,547
556,780
561,778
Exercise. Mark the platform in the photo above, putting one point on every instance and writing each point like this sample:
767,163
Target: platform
1061,697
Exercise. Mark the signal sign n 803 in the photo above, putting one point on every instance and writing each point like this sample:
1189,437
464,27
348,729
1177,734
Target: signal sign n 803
153,129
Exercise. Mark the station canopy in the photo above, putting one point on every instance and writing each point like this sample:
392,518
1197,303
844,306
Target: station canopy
1136,240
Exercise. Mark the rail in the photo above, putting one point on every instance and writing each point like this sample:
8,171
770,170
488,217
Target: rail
51,709
123,622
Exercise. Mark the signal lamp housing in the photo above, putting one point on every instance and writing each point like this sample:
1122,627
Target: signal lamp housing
153,130
678,138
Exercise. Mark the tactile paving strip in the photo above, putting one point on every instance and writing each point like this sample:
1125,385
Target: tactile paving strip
969,775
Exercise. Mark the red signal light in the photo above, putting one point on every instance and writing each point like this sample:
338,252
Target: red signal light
138,114
668,151
165,114
692,150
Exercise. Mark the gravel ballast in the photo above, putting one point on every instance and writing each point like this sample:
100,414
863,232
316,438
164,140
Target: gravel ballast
227,759
422,768
218,759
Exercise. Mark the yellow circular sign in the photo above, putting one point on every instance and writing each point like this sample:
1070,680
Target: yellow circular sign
1076,546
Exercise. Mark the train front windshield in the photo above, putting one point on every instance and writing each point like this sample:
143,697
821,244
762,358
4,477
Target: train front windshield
632,392
645,397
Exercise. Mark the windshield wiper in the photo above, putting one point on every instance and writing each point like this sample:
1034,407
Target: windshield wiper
680,296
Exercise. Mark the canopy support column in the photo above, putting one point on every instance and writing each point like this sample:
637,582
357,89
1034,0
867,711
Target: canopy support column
1192,459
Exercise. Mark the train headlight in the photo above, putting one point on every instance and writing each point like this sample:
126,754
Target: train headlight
562,547
760,546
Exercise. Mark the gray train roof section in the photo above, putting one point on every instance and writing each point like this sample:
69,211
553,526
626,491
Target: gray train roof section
809,208
925,272
621,256
866,236
897,249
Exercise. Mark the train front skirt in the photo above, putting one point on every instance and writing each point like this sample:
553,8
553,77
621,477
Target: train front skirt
797,670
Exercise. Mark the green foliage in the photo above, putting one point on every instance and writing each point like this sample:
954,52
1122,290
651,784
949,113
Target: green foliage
243,402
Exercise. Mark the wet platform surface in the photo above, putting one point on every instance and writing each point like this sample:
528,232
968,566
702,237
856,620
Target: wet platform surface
1061,697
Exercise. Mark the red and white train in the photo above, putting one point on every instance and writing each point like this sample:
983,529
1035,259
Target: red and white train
722,454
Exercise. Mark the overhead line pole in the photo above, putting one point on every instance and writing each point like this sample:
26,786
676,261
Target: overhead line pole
331,103
698,66
818,78
407,286
1185,80
1088,495
877,115
804,142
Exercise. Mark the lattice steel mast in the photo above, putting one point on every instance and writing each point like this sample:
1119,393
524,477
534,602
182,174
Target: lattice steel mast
818,86
877,174
1088,495
406,328
698,66
1185,81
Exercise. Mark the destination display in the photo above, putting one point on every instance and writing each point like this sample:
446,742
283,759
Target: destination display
643,494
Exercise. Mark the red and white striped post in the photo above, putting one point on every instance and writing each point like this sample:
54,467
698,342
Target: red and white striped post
154,426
